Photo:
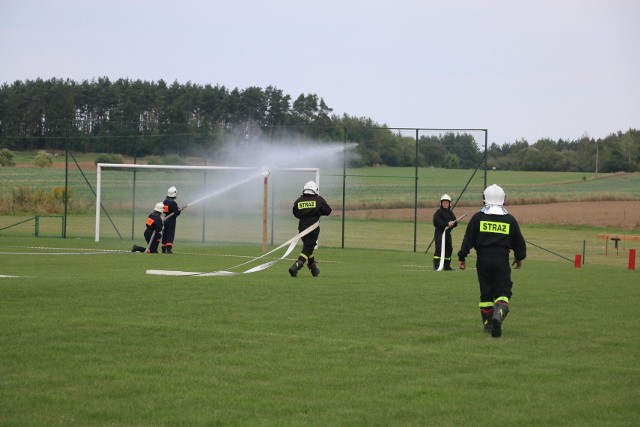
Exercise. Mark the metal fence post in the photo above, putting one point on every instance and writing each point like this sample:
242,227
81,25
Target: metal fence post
415,201
344,185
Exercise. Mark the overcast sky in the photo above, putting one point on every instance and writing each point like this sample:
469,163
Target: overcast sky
523,69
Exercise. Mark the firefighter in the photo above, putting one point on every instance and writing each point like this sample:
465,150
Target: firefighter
308,208
493,232
443,220
171,212
153,231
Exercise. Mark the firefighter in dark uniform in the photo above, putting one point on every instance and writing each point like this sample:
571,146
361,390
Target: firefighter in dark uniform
171,212
308,208
493,232
153,231
443,220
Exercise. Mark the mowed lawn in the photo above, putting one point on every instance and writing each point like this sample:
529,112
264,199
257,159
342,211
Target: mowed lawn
88,338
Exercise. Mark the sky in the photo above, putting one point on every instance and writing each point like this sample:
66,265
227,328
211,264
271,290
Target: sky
522,69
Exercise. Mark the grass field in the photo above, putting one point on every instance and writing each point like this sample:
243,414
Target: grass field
88,338
365,186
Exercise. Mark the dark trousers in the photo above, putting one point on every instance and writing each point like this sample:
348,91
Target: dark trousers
494,277
309,243
153,248
448,244
169,233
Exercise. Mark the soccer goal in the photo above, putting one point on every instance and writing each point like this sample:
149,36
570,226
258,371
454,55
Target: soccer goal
222,204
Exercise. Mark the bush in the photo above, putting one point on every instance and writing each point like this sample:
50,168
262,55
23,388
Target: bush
152,160
6,158
43,159
25,199
173,159
109,158
166,160
58,193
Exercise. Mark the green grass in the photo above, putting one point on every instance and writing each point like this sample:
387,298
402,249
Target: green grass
365,185
377,339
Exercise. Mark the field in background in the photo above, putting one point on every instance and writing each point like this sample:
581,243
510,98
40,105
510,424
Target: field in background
379,209
522,187
378,339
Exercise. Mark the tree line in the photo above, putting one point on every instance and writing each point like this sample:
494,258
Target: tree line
140,118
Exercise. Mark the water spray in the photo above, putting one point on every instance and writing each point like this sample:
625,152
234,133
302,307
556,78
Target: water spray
263,173
223,190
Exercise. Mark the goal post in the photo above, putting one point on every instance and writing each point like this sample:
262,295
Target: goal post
225,203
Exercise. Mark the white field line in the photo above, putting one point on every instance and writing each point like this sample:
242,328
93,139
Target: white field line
68,251
91,251
55,253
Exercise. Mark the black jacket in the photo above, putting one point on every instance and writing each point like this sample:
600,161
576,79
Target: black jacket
154,221
154,224
308,208
493,235
171,207
441,220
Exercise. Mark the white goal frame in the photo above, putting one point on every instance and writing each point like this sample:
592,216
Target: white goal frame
100,166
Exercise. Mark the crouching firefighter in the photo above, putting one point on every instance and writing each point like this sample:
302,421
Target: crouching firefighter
153,231
308,208
493,232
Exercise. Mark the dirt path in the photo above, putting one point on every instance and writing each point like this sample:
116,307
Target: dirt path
623,215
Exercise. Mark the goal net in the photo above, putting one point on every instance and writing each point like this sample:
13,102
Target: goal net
224,205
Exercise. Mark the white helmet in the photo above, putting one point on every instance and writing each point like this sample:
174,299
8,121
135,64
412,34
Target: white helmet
310,188
445,197
494,200
159,207
172,192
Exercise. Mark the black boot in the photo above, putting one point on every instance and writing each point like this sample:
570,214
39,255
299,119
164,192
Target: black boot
500,311
293,270
315,271
436,263
137,248
447,264
487,314
164,249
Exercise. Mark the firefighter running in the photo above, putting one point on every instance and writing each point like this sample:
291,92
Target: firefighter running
493,232
308,208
